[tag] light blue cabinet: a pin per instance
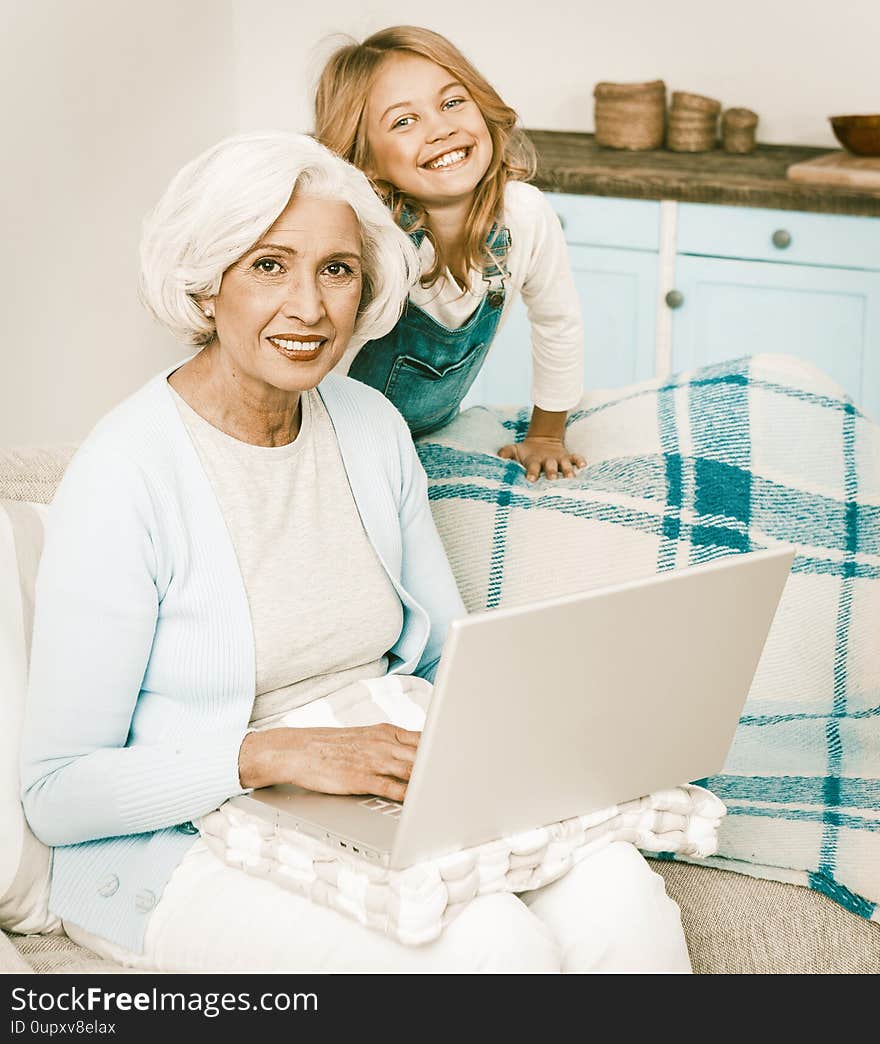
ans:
(614, 257)
(737, 280)
(618, 293)
(780, 236)
(755, 280)
(828, 316)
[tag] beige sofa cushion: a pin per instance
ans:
(57, 955)
(740, 925)
(33, 474)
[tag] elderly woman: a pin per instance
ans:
(245, 534)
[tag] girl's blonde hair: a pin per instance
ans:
(340, 103)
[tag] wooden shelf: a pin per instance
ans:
(569, 162)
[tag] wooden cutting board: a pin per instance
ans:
(839, 168)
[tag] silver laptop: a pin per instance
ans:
(552, 710)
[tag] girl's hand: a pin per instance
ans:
(538, 454)
(374, 759)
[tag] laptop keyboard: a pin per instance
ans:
(383, 806)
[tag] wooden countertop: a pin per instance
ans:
(569, 162)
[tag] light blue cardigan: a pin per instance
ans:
(142, 667)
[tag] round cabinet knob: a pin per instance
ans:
(781, 238)
(675, 298)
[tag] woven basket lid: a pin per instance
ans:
(699, 102)
(629, 90)
(739, 118)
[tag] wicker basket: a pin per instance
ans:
(695, 102)
(693, 123)
(630, 115)
(738, 130)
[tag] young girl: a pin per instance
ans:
(442, 149)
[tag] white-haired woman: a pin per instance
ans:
(245, 534)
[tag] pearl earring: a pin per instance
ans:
(209, 312)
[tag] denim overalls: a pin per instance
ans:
(425, 368)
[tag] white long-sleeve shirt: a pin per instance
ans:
(540, 270)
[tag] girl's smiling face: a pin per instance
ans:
(425, 133)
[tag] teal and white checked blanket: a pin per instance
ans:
(743, 455)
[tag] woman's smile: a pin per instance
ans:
(297, 347)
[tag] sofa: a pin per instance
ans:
(735, 922)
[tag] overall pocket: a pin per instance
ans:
(427, 397)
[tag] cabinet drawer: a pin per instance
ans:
(629, 224)
(828, 316)
(787, 236)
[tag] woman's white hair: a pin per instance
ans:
(219, 205)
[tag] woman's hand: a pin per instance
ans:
(537, 454)
(375, 759)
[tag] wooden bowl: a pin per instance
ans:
(858, 134)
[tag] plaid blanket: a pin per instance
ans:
(751, 453)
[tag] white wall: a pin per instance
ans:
(102, 102)
(105, 99)
(793, 64)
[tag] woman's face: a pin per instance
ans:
(425, 133)
(286, 310)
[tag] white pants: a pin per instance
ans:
(608, 914)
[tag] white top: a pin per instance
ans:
(299, 542)
(540, 270)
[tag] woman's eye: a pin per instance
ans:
(452, 103)
(268, 266)
(339, 270)
(404, 121)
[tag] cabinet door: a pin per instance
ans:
(828, 316)
(618, 295)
